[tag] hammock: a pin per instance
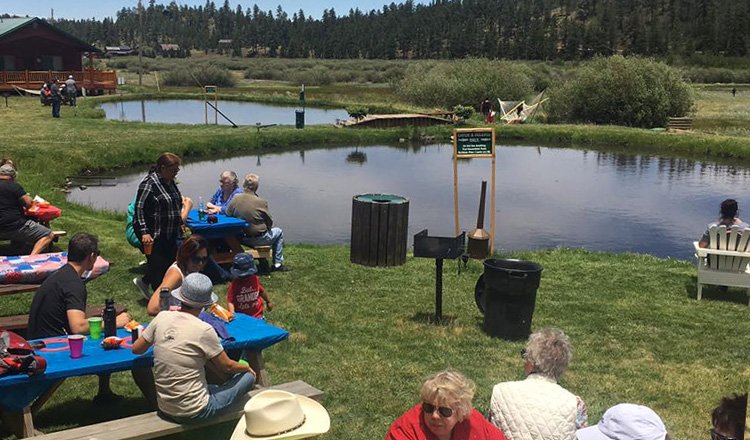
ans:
(517, 112)
(31, 92)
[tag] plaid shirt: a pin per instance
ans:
(157, 208)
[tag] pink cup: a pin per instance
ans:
(76, 346)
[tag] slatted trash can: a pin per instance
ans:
(506, 292)
(379, 227)
(299, 118)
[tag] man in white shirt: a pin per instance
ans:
(183, 345)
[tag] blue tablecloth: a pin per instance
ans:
(19, 391)
(225, 226)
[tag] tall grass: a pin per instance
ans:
(212, 75)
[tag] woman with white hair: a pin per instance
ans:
(445, 413)
(229, 186)
(537, 408)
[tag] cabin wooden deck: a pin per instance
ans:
(398, 120)
(94, 81)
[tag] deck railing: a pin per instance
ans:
(89, 79)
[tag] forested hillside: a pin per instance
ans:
(527, 29)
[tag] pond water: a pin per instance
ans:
(192, 111)
(546, 197)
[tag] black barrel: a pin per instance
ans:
(299, 118)
(506, 293)
(379, 227)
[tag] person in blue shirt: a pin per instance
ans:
(228, 188)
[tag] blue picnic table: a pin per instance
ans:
(18, 393)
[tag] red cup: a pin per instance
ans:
(76, 346)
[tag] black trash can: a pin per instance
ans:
(506, 293)
(299, 118)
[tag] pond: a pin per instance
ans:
(546, 197)
(192, 111)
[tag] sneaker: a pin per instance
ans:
(142, 287)
(281, 268)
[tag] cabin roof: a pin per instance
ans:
(11, 25)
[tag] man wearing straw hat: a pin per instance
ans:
(277, 415)
(183, 344)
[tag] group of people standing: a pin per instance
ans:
(54, 93)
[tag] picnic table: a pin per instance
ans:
(223, 236)
(21, 396)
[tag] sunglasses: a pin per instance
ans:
(444, 411)
(716, 436)
(524, 354)
(198, 260)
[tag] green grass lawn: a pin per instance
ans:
(364, 335)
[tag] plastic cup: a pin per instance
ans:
(148, 248)
(95, 328)
(76, 346)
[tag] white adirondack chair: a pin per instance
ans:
(725, 261)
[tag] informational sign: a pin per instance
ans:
(474, 142)
(210, 89)
(469, 143)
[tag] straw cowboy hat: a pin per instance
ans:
(276, 415)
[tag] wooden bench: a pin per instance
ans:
(21, 322)
(10, 289)
(150, 425)
(680, 124)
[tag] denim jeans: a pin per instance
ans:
(220, 398)
(273, 238)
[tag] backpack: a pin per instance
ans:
(130, 234)
(17, 356)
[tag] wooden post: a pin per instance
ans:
(492, 203)
(455, 184)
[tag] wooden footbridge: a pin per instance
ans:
(400, 120)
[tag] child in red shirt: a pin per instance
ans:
(246, 294)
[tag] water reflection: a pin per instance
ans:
(546, 197)
(192, 111)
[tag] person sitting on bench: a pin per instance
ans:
(252, 208)
(183, 347)
(228, 188)
(14, 225)
(59, 305)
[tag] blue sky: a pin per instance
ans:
(104, 8)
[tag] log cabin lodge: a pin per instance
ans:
(33, 52)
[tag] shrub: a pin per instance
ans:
(357, 111)
(211, 75)
(634, 91)
(464, 82)
(463, 112)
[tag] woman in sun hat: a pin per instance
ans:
(626, 421)
(276, 415)
(445, 413)
(183, 345)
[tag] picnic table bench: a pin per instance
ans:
(150, 425)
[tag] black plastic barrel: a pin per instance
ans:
(506, 293)
(299, 118)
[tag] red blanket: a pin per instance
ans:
(410, 426)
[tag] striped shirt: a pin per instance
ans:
(157, 208)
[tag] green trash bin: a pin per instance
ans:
(299, 118)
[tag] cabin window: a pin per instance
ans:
(7, 62)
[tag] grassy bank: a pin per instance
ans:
(363, 335)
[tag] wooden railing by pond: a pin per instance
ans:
(94, 81)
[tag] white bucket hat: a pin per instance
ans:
(276, 415)
(196, 291)
(626, 421)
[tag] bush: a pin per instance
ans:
(463, 112)
(464, 82)
(357, 112)
(634, 91)
(211, 75)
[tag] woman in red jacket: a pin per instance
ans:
(445, 413)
